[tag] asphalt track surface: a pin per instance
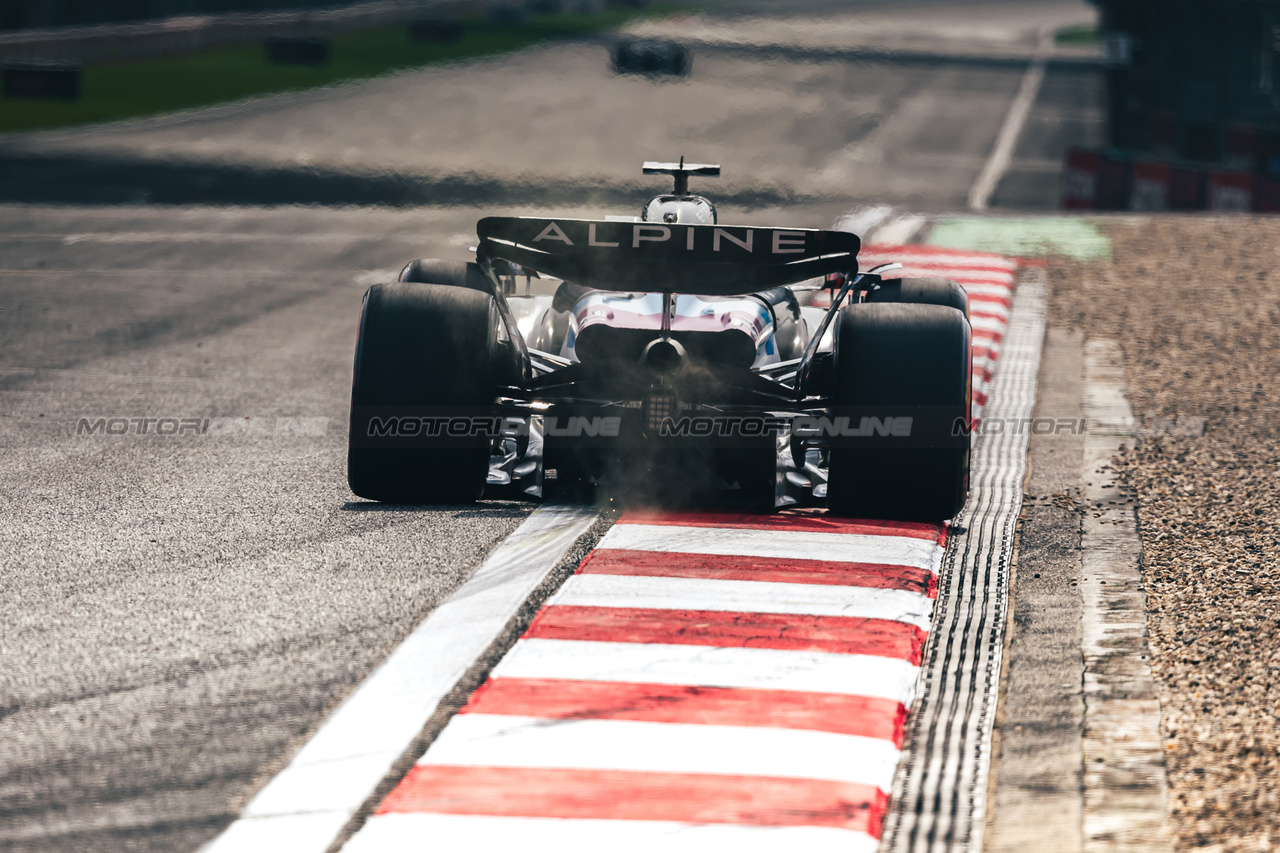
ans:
(184, 610)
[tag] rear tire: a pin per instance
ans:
(424, 350)
(922, 291)
(903, 355)
(452, 273)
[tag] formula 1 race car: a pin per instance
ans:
(665, 353)
(652, 57)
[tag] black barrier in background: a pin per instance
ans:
(436, 30)
(42, 81)
(298, 51)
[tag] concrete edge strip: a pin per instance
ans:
(310, 801)
(1124, 770)
(939, 795)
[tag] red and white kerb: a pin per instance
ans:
(703, 680)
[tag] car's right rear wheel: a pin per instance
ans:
(894, 358)
(922, 291)
(425, 381)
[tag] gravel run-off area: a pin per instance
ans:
(1195, 304)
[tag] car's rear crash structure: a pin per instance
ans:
(676, 353)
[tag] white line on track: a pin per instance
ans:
(490, 740)
(592, 590)
(783, 544)
(708, 666)
(900, 229)
(408, 833)
(1000, 291)
(1002, 154)
(956, 261)
(993, 325)
(306, 805)
(984, 338)
(990, 308)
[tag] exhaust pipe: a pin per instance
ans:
(663, 355)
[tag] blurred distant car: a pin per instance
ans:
(651, 56)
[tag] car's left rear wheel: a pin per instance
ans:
(422, 395)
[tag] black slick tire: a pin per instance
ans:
(902, 355)
(922, 291)
(423, 351)
(452, 273)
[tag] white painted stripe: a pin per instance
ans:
(997, 290)
(863, 221)
(1002, 153)
(987, 324)
(964, 277)
(991, 308)
(958, 259)
(997, 277)
(811, 599)
(492, 740)
(898, 230)
(1001, 284)
(336, 771)
(783, 544)
(990, 274)
(412, 833)
(709, 666)
(988, 338)
(310, 830)
(988, 293)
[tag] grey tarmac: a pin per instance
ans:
(184, 611)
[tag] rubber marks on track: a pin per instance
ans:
(988, 280)
(702, 681)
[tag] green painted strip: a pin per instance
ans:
(1071, 236)
(121, 90)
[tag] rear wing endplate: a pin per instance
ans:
(713, 260)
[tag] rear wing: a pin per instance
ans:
(712, 260)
